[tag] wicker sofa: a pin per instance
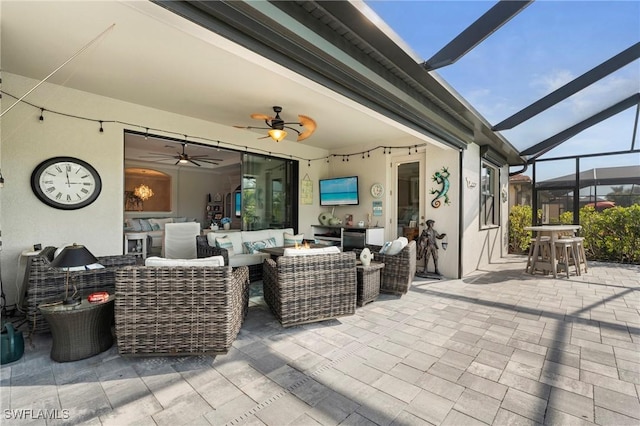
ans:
(399, 269)
(179, 310)
(304, 289)
(45, 284)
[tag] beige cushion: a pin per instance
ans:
(225, 243)
(207, 261)
(310, 251)
(247, 259)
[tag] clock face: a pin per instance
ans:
(66, 183)
(377, 190)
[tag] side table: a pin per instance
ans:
(79, 331)
(140, 239)
(368, 282)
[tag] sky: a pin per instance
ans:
(546, 45)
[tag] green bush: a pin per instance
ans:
(611, 235)
(519, 239)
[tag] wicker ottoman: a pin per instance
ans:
(368, 282)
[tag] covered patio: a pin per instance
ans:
(496, 347)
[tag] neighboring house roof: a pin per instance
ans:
(598, 176)
(519, 179)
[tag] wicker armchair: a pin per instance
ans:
(205, 250)
(45, 284)
(303, 289)
(179, 310)
(399, 269)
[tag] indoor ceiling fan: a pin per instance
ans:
(277, 125)
(183, 157)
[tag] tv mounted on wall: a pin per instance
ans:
(342, 191)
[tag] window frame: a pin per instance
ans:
(493, 193)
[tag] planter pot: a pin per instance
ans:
(227, 226)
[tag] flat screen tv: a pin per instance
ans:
(342, 191)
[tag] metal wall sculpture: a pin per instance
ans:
(442, 178)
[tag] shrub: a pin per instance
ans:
(519, 239)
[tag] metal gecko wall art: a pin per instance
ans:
(441, 177)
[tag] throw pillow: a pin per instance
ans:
(225, 243)
(145, 225)
(291, 240)
(396, 246)
(385, 247)
(253, 247)
(158, 224)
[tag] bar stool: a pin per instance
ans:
(578, 246)
(543, 252)
(566, 254)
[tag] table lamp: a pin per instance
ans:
(72, 256)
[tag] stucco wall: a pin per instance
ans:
(481, 246)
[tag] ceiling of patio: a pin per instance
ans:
(154, 58)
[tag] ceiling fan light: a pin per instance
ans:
(182, 161)
(277, 134)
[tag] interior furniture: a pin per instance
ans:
(154, 228)
(79, 331)
(179, 240)
(411, 232)
(399, 269)
(237, 252)
(348, 237)
(24, 263)
(45, 284)
(179, 310)
(368, 279)
(308, 288)
(553, 232)
(135, 243)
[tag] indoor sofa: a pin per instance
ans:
(243, 246)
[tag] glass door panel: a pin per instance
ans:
(409, 196)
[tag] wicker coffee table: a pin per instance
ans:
(368, 282)
(79, 331)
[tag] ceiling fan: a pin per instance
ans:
(276, 125)
(183, 157)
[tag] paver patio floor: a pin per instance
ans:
(497, 347)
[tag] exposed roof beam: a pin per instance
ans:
(555, 140)
(607, 67)
(475, 33)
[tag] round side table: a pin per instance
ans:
(79, 331)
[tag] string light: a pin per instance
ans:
(345, 157)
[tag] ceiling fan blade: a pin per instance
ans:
(261, 117)
(251, 127)
(176, 163)
(208, 161)
(204, 157)
(310, 126)
(193, 162)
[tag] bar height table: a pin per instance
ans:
(553, 231)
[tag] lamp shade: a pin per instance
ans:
(75, 255)
(277, 134)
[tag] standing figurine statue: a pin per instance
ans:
(428, 247)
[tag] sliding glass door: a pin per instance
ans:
(269, 192)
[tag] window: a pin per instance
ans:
(489, 215)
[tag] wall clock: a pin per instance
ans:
(377, 190)
(66, 183)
